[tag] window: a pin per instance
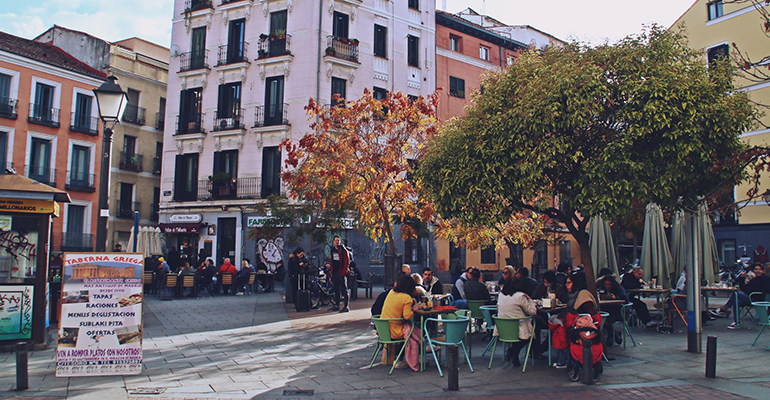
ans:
(565, 252)
(456, 87)
(186, 178)
(40, 161)
(541, 256)
(156, 162)
(133, 112)
(415, 4)
(412, 250)
(225, 169)
(74, 237)
(235, 41)
(718, 53)
(340, 25)
(339, 87)
(126, 206)
(509, 60)
(484, 53)
(129, 145)
(274, 101)
(229, 105)
(190, 111)
(80, 167)
(277, 45)
(715, 10)
(379, 93)
(81, 118)
(43, 111)
(7, 104)
(454, 43)
(4, 164)
(727, 251)
(155, 209)
(278, 21)
(198, 48)
(271, 171)
(129, 160)
(413, 51)
(161, 117)
(488, 255)
(380, 41)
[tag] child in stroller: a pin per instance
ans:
(584, 326)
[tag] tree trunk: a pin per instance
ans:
(388, 227)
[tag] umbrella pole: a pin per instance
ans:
(694, 342)
(136, 229)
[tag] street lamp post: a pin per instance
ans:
(112, 101)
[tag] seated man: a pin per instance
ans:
(458, 290)
(474, 289)
(749, 282)
(633, 280)
(431, 284)
(551, 285)
(530, 284)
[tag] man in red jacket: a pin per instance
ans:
(340, 260)
(226, 268)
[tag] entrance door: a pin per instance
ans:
(226, 239)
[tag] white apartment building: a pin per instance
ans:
(240, 74)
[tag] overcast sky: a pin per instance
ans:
(592, 21)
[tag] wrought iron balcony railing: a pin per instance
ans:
(343, 48)
(273, 46)
(8, 108)
(43, 115)
(156, 164)
(84, 124)
(241, 188)
(233, 54)
(131, 161)
(42, 174)
(134, 114)
(233, 121)
(198, 59)
(195, 5)
(80, 181)
(126, 209)
(271, 115)
(190, 124)
(160, 121)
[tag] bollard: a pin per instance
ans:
(711, 357)
(22, 375)
(586, 374)
(453, 368)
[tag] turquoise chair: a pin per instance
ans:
(760, 307)
(454, 334)
(604, 315)
(382, 325)
(508, 332)
(487, 311)
(626, 312)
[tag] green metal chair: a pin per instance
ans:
(508, 332)
(760, 307)
(626, 311)
(488, 311)
(382, 325)
(454, 330)
(604, 315)
(475, 307)
(747, 310)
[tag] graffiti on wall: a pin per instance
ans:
(17, 245)
(270, 252)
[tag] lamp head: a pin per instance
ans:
(112, 101)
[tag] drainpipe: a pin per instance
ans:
(318, 62)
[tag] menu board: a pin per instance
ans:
(100, 328)
(16, 312)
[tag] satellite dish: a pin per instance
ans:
(174, 50)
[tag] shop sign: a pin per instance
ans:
(16, 312)
(29, 206)
(180, 228)
(100, 329)
(185, 218)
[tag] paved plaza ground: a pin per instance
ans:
(256, 346)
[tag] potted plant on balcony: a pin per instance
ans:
(263, 37)
(354, 42)
(261, 53)
(221, 183)
(280, 34)
(330, 51)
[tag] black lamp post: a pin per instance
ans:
(112, 101)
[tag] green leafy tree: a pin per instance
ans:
(596, 129)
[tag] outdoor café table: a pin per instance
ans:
(731, 290)
(424, 314)
(659, 292)
(545, 313)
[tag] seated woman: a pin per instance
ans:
(419, 291)
(514, 303)
(581, 301)
(242, 278)
(551, 285)
(399, 304)
(610, 289)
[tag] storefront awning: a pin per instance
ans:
(180, 228)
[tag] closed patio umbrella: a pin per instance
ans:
(130, 247)
(602, 247)
(709, 256)
(678, 245)
(656, 258)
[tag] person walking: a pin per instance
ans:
(340, 270)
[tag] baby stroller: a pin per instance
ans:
(584, 326)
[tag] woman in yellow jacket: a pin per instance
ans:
(399, 304)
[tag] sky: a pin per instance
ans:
(591, 21)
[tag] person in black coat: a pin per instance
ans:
(749, 282)
(633, 280)
(530, 285)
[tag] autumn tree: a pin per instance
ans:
(596, 129)
(359, 155)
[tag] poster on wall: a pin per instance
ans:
(16, 312)
(100, 329)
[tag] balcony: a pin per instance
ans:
(155, 213)
(130, 161)
(126, 209)
(229, 1)
(195, 5)
(84, 124)
(343, 48)
(42, 174)
(271, 115)
(134, 114)
(235, 121)
(160, 121)
(8, 108)
(77, 241)
(156, 164)
(186, 191)
(43, 115)
(242, 188)
(193, 60)
(273, 46)
(80, 181)
(190, 124)
(232, 54)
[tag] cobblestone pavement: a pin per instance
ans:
(237, 347)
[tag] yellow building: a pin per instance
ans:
(713, 27)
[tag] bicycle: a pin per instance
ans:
(321, 291)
